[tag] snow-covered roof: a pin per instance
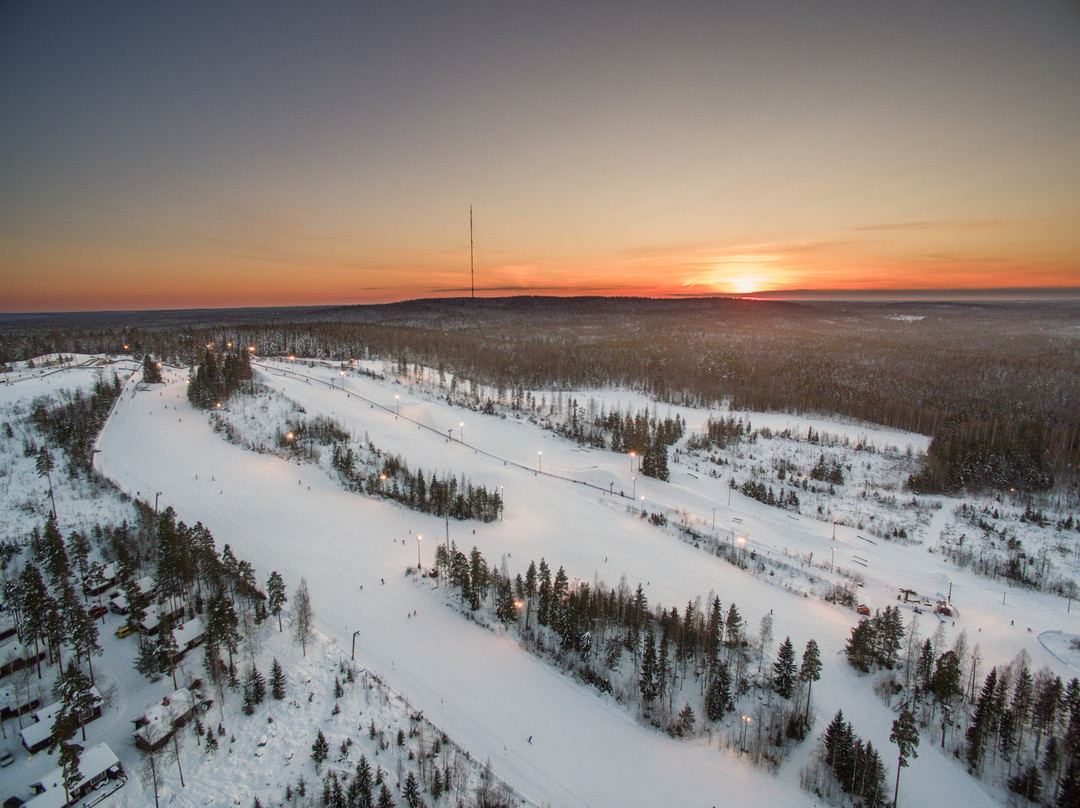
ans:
(11, 651)
(158, 721)
(44, 718)
(12, 697)
(92, 762)
(189, 632)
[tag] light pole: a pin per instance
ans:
(714, 520)
(643, 505)
(834, 530)
(729, 495)
(632, 456)
(354, 644)
(502, 505)
(540, 462)
(461, 428)
(158, 494)
(634, 481)
(418, 540)
(742, 549)
(397, 405)
(832, 560)
(950, 591)
(746, 723)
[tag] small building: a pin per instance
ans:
(98, 765)
(145, 588)
(15, 657)
(39, 734)
(19, 700)
(7, 626)
(944, 608)
(102, 582)
(189, 635)
(151, 622)
(154, 729)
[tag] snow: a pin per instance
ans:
(569, 505)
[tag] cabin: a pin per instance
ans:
(19, 700)
(145, 587)
(156, 727)
(151, 622)
(189, 635)
(38, 735)
(14, 657)
(7, 626)
(101, 582)
(98, 766)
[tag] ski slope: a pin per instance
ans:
(476, 684)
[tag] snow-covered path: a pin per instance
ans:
(474, 683)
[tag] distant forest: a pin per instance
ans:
(989, 381)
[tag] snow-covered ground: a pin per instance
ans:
(478, 686)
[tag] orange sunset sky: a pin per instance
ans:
(249, 154)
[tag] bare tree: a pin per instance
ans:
(302, 615)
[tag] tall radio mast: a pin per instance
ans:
(472, 274)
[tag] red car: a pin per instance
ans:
(96, 611)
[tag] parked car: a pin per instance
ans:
(96, 611)
(124, 630)
(6, 759)
(14, 802)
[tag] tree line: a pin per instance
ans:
(1021, 728)
(672, 666)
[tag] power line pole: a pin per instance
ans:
(472, 273)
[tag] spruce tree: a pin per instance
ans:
(411, 792)
(151, 371)
(277, 680)
(386, 799)
(320, 750)
(784, 670)
(647, 682)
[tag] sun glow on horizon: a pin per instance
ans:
(743, 274)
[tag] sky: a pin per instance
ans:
(203, 155)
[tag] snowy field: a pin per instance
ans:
(575, 508)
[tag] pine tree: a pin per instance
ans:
(905, 734)
(76, 697)
(277, 680)
(784, 670)
(275, 594)
(320, 750)
(810, 671)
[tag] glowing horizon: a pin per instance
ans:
(264, 157)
